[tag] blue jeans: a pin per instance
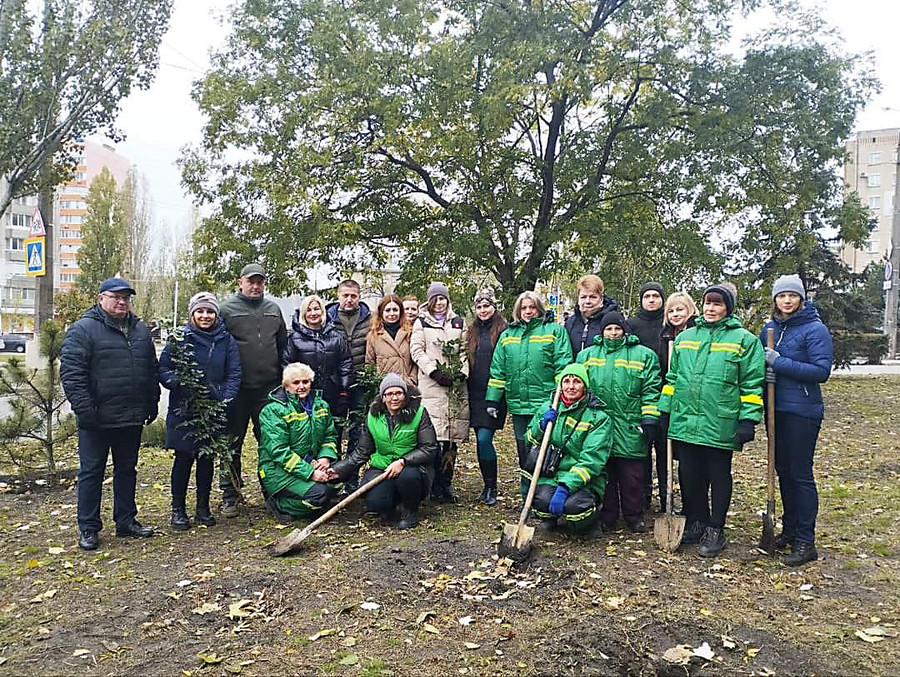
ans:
(94, 447)
(795, 446)
(484, 444)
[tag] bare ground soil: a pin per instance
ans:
(365, 599)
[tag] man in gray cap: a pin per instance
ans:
(109, 373)
(258, 327)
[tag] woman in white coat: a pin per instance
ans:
(438, 349)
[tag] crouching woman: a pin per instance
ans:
(398, 440)
(573, 491)
(296, 447)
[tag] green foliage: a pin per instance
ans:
(63, 75)
(36, 398)
(849, 345)
(103, 235)
(517, 140)
(154, 433)
(70, 305)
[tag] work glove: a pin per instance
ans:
(492, 410)
(746, 431)
(441, 378)
(558, 502)
(771, 356)
(548, 417)
(770, 375)
(649, 429)
(664, 425)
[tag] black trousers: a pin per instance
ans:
(795, 446)
(408, 489)
(579, 511)
(657, 446)
(94, 447)
(705, 471)
(181, 475)
(624, 487)
(246, 407)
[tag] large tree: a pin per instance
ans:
(104, 234)
(517, 138)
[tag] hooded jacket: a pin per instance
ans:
(356, 339)
(715, 379)
(291, 438)
(258, 328)
(447, 407)
(624, 375)
(217, 356)
(109, 371)
(326, 352)
(806, 356)
(583, 432)
(581, 333)
(422, 454)
(526, 361)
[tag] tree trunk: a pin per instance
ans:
(50, 406)
(43, 305)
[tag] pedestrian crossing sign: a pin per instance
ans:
(35, 257)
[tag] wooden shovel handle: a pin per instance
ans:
(670, 483)
(540, 462)
(770, 424)
(334, 510)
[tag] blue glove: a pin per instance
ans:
(548, 417)
(558, 502)
(771, 356)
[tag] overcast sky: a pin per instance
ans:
(160, 121)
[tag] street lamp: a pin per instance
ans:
(892, 270)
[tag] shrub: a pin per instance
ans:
(849, 345)
(154, 435)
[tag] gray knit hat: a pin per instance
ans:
(203, 299)
(485, 294)
(789, 283)
(391, 381)
(437, 289)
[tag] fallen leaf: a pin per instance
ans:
(680, 655)
(430, 628)
(866, 637)
(348, 641)
(174, 595)
(349, 659)
(205, 608)
(322, 633)
(422, 617)
(210, 658)
(56, 551)
(472, 645)
(705, 612)
(752, 651)
(880, 631)
(466, 620)
(614, 602)
(233, 669)
(727, 642)
(370, 606)
(239, 609)
(705, 652)
(806, 586)
(80, 652)
(640, 553)
(183, 584)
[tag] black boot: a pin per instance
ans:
(802, 553)
(489, 476)
(693, 532)
(712, 542)
(180, 520)
(547, 525)
(408, 518)
(638, 526)
(783, 541)
(204, 514)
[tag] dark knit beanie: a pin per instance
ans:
(614, 317)
(656, 286)
(726, 295)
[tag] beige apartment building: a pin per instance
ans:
(17, 291)
(871, 172)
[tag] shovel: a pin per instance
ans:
(291, 542)
(516, 541)
(767, 541)
(669, 528)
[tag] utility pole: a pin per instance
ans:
(43, 303)
(892, 280)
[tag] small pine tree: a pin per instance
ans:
(36, 400)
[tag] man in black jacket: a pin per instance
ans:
(257, 325)
(110, 377)
(647, 326)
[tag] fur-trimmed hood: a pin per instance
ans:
(413, 402)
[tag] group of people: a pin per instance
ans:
(613, 389)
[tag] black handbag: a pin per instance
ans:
(552, 459)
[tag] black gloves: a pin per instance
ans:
(649, 429)
(441, 378)
(664, 425)
(746, 431)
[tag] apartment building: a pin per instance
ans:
(17, 293)
(871, 171)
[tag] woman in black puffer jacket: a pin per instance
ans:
(314, 342)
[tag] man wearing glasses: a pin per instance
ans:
(109, 374)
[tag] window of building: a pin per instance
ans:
(872, 247)
(68, 263)
(71, 218)
(21, 221)
(70, 234)
(874, 158)
(875, 202)
(80, 176)
(15, 244)
(68, 277)
(873, 180)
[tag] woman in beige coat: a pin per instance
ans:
(387, 344)
(442, 380)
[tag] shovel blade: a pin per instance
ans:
(516, 542)
(290, 543)
(668, 530)
(767, 540)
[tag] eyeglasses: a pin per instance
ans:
(395, 396)
(125, 298)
